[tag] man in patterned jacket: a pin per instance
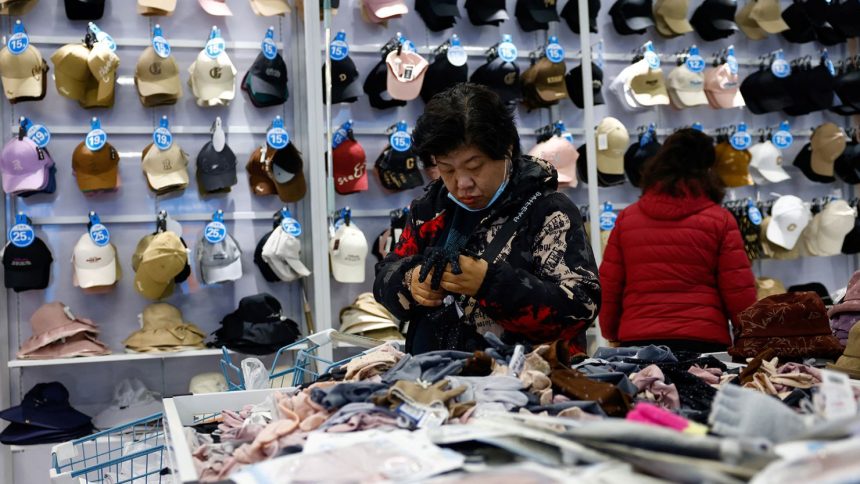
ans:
(537, 283)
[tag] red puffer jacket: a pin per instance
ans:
(674, 268)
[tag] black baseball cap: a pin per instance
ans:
(817, 288)
(398, 170)
(845, 17)
(438, 15)
(85, 9)
(851, 244)
(847, 87)
(376, 88)
(763, 92)
(267, 272)
(819, 13)
(632, 17)
(603, 180)
(570, 13)
(573, 81)
(216, 170)
(800, 30)
(500, 76)
(442, 75)
(345, 86)
(847, 166)
(635, 158)
(486, 12)
(266, 81)
(803, 161)
(27, 268)
(535, 14)
(811, 89)
(715, 19)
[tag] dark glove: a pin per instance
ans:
(436, 259)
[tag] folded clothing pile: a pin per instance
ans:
(58, 333)
(368, 318)
(44, 416)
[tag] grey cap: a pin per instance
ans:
(219, 262)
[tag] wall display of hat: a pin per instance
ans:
(158, 260)
(86, 72)
(216, 163)
(501, 76)
(381, 11)
(257, 327)
(345, 81)
(536, 14)
(85, 9)
(157, 78)
(212, 76)
(155, 8)
(826, 232)
(44, 416)
(561, 153)
(27, 268)
(266, 81)
(486, 12)
(58, 333)
(348, 250)
(95, 266)
(163, 329)
(766, 163)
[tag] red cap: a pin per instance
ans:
(349, 167)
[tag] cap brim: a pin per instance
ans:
(227, 273)
(105, 181)
(392, 10)
(298, 267)
(639, 23)
(102, 276)
(219, 9)
(293, 190)
(349, 274)
(773, 175)
(170, 86)
(26, 87)
(691, 98)
(211, 182)
(678, 26)
(350, 91)
(25, 183)
(172, 179)
(773, 26)
(787, 240)
(270, 8)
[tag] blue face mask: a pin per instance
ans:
(496, 195)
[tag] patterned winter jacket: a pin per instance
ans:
(543, 287)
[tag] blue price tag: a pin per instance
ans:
(215, 232)
(780, 68)
(270, 49)
(782, 139)
(162, 138)
(99, 235)
(278, 138)
(698, 127)
(341, 134)
(18, 43)
(652, 59)
(339, 49)
(696, 64)
(291, 226)
(456, 53)
(753, 213)
(732, 61)
(607, 217)
(400, 141)
(407, 44)
(507, 50)
(39, 134)
(554, 51)
(741, 140)
(215, 45)
(22, 235)
(96, 139)
(161, 47)
(102, 36)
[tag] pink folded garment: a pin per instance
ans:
(81, 344)
(53, 322)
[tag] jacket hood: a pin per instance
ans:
(661, 206)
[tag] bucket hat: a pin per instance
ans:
(164, 329)
(54, 322)
(849, 362)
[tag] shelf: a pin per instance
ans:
(113, 357)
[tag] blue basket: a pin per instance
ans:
(131, 453)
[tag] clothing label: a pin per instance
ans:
(339, 49)
(456, 54)
(18, 43)
(99, 235)
(96, 139)
(554, 51)
(838, 396)
(400, 141)
(518, 360)
(162, 138)
(215, 232)
(291, 226)
(39, 134)
(507, 50)
(22, 235)
(602, 142)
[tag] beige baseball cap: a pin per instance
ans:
(213, 80)
(103, 64)
(405, 74)
(649, 89)
(22, 74)
(156, 7)
(827, 143)
(268, 8)
(612, 141)
(166, 170)
(829, 227)
(94, 265)
(748, 25)
(768, 16)
(71, 70)
(686, 88)
(674, 14)
(162, 259)
(157, 76)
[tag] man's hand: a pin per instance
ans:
(421, 291)
(469, 280)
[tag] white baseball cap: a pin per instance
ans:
(165, 169)
(219, 262)
(348, 253)
(789, 216)
(829, 227)
(212, 81)
(686, 88)
(94, 265)
(766, 163)
(621, 84)
(282, 252)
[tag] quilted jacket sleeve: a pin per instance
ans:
(560, 295)
(735, 278)
(389, 287)
(612, 277)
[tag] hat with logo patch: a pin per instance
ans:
(603, 179)
(349, 167)
(847, 166)
(162, 259)
(789, 216)
(767, 15)
(766, 163)
(570, 13)
(502, 77)
(442, 75)
(156, 7)
(376, 88)
(686, 88)
(535, 14)
(212, 81)
(103, 64)
(632, 17)
(216, 170)
(406, 72)
(828, 228)
(763, 92)
(84, 9)
(157, 79)
(23, 165)
(348, 252)
(573, 82)
(649, 88)
(345, 84)
(166, 170)
(94, 265)
(71, 70)
(437, 15)
(715, 19)
(219, 262)
(23, 75)
(285, 167)
(486, 12)
(96, 170)
(545, 79)
(27, 268)
(266, 81)
(282, 253)
(398, 170)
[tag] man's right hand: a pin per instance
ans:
(421, 291)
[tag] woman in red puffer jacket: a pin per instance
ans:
(675, 270)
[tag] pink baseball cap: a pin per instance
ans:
(722, 88)
(24, 166)
(386, 8)
(561, 154)
(405, 74)
(216, 7)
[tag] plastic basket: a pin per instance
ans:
(308, 364)
(135, 452)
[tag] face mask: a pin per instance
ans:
(496, 195)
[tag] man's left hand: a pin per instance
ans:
(468, 283)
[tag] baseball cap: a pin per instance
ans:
(820, 12)
(267, 272)
(157, 79)
(385, 9)
(603, 179)
(845, 17)
(502, 77)
(486, 12)
(376, 88)
(851, 244)
(803, 161)
(349, 167)
(673, 13)
(156, 7)
(216, 7)
(546, 79)
(23, 165)
(27, 268)
(748, 25)
(162, 259)
(84, 9)
(570, 13)
(535, 14)
(348, 252)
(686, 88)
(166, 170)
(811, 89)
(285, 167)
(94, 265)
(560, 153)
(216, 170)
(398, 170)
(636, 156)
(442, 75)
(763, 92)
(732, 165)
(847, 166)
(829, 227)
(573, 82)
(406, 72)
(827, 144)
(266, 81)
(715, 19)
(789, 216)
(766, 163)
(95, 170)
(345, 84)
(71, 70)
(722, 88)
(649, 88)
(219, 262)
(282, 253)
(437, 15)
(612, 141)
(103, 63)
(17, 7)
(212, 81)
(269, 8)
(632, 17)
(258, 177)
(23, 75)
(767, 15)
(622, 84)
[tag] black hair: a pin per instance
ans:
(466, 114)
(684, 166)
